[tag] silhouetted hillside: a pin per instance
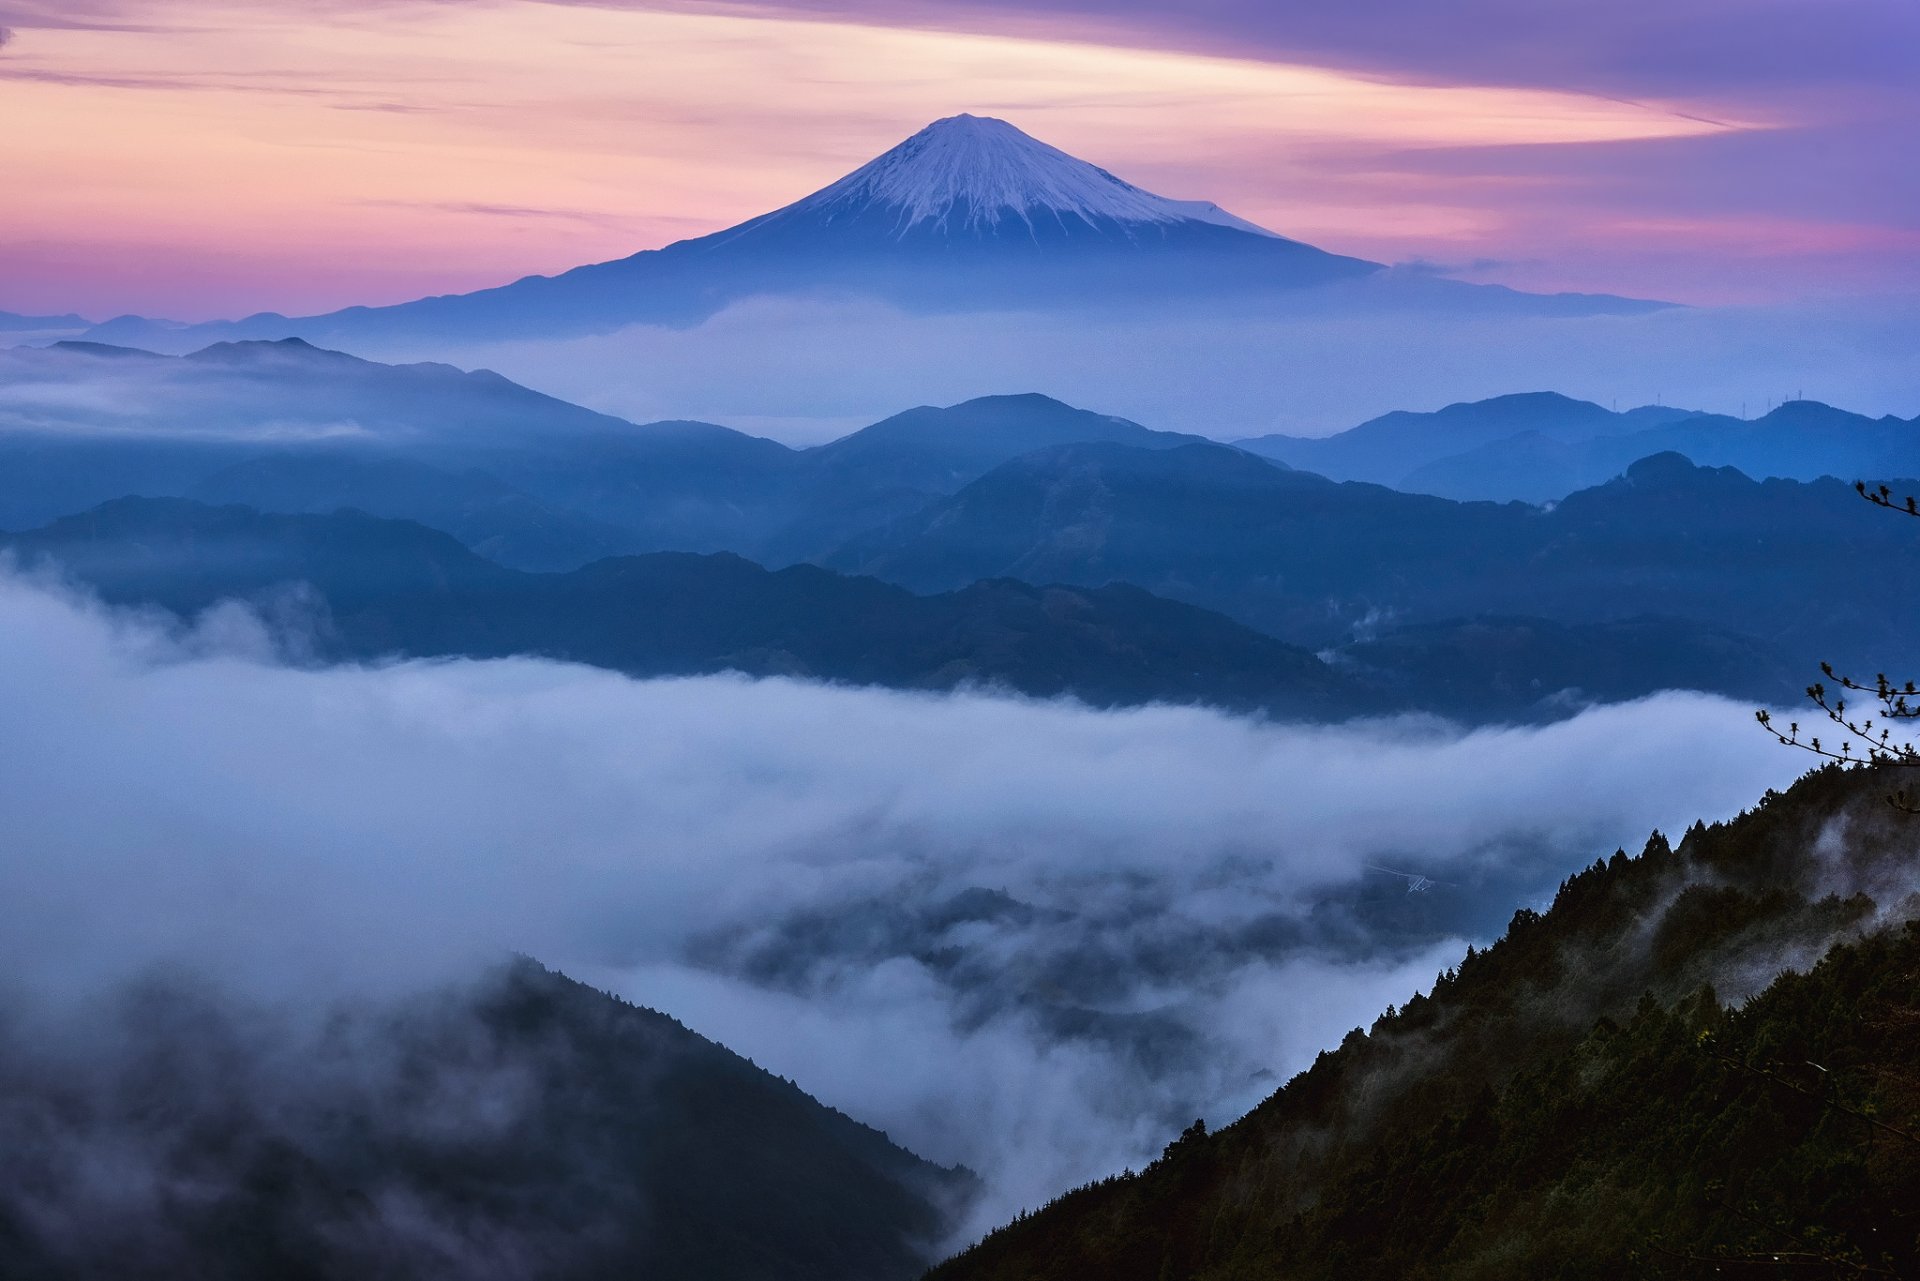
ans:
(696, 487)
(1595, 1096)
(377, 588)
(1312, 561)
(494, 519)
(1540, 446)
(534, 482)
(521, 1125)
(356, 587)
(1499, 666)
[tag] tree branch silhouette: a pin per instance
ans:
(1869, 736)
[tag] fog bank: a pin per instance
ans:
(1028, 936)
(806, 371)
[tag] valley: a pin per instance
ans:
(855, 642)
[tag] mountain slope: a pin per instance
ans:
(696, 487)
(489, 516)
(520, 1125)
(1289, 552)
(1385, 449)
(360, 588)
(1540, 447)
(970, 213)
(1531, 668)
(384, 588)
(977, 178)
(269, 396)
(895, 467)
(17, 328)
(1315, 562)
(534, 482)
(1576, 1101)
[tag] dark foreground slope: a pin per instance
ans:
(522, 1126)
(1592, 1097)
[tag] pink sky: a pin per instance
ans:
(202, 158)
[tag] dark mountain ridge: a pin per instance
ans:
(1539, 447)
(519, 1125)
(937, 499)
(1317, 562)
(533, 481)
(1577, 1101)
(359, 588)
(392, 588)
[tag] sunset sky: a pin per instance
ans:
(200, 158)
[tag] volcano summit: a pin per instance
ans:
(970, 213)
(981, 180)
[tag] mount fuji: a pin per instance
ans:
(974, 190)
(970, 213)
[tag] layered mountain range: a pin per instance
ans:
(1698, 1060)
(15, 325)
(1011, 521)
(1542, 446)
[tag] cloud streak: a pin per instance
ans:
(1028, 936)
(358, 125)
(1635, 47)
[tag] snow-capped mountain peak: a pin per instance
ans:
(970, 173)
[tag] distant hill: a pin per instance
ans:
(1540, 447)
(397, 588)
(1020, 487)
(81, 423)
(557, 500)
(1311, 560)
(1531, 668)
(486, 514)
(1600, 1094)
(1383, 450)
(532, 481)
(369, 588)
(13, 325)
(517, 1125)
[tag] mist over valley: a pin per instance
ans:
(620, 659)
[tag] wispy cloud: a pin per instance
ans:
(88, 80)
(640, 110)
(1634, 48)
(484, 209)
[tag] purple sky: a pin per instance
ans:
(203, 157)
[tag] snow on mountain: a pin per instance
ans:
(968, 214)
(970, 173)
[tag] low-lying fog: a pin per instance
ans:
(1030, 937)
(807, 371)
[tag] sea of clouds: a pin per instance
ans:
(1027, 936)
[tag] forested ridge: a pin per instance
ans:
(517, 1125)
(1600, 1094)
